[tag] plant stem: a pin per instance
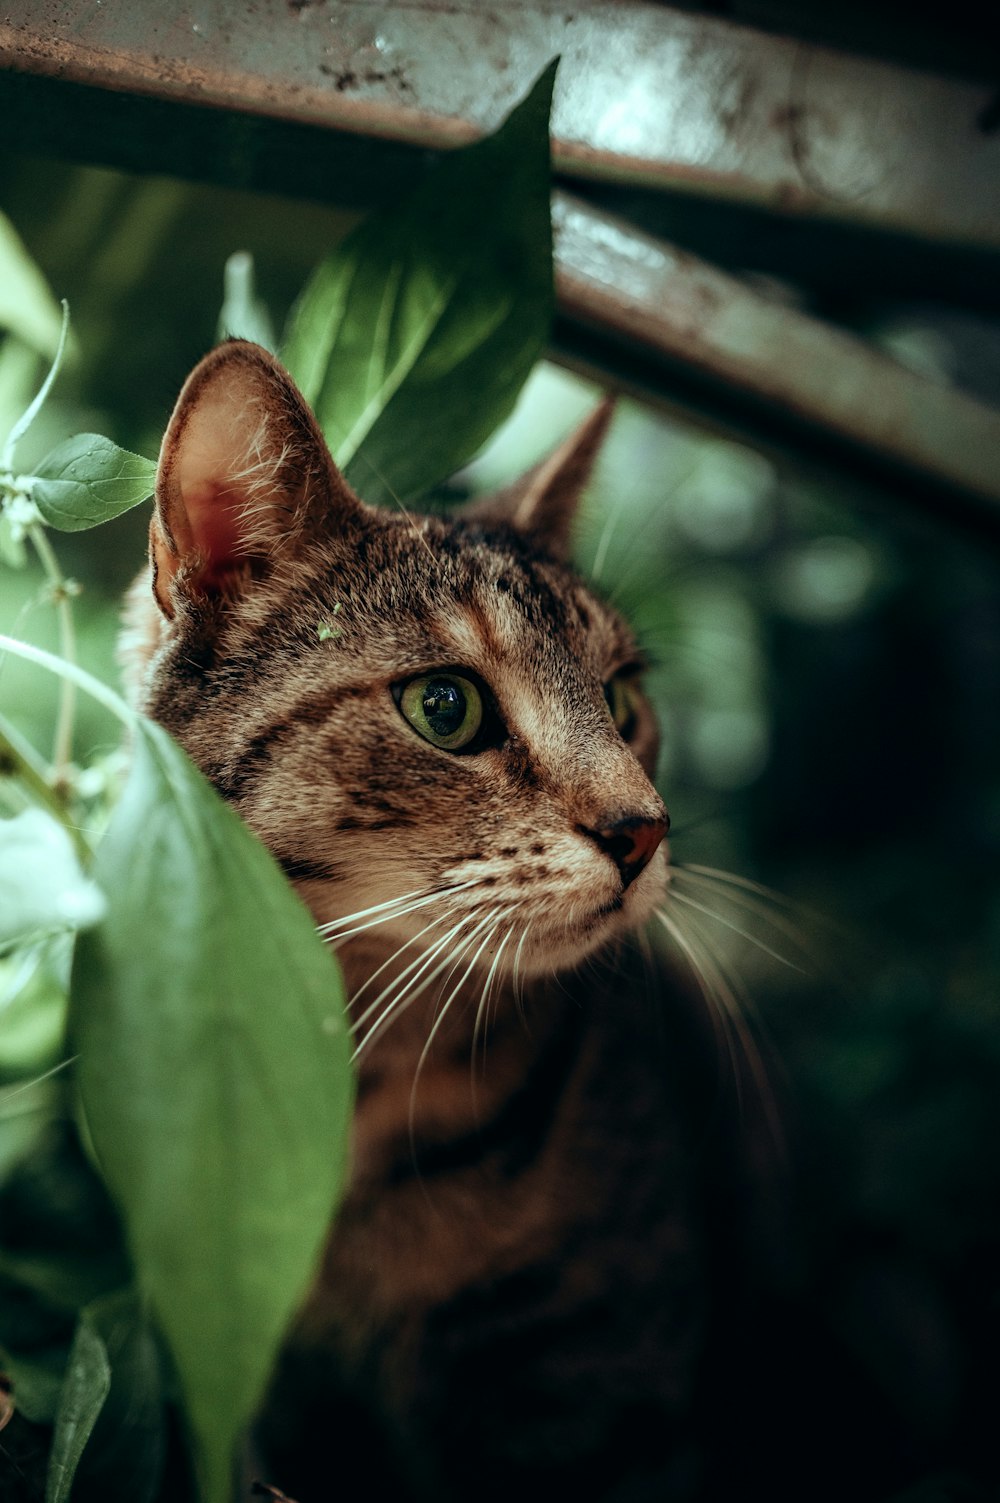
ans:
(63, 743)
(19, 759)
(88, 683)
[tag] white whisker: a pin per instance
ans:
(701, 969)
(413, 972)
(414, 939)
(681, 897)
(395, 908)
(518, 981)
(730, 1006)
(482, 1007)
(10, 1092)
(494, 923)
(732, 879)
(412, 990)
(350, 918)
(761, 905)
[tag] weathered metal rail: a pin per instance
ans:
(671, 102)
(645, 94)
(692, 315)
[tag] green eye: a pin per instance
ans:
(444, 708)
(623, 702)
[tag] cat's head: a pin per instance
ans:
(432, 719)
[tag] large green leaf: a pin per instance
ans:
(88, 480)
(215, 1080)
(413, 339)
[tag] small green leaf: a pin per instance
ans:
(42, 887)
(88, 480)
(215, 1079)
(85, 1387)
(413, 339)
(60, 1249)
(27, 417)
(244, 315)
(27, 307)
(125, 1451)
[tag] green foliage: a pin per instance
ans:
(174, 1113)
(219, 1108)
(87, 481)
(413, 339)
(61, 1251)
(42, 887)
(85, 1387)
(243, 314)
(27, 308)
(110, 1431)
(32, 323)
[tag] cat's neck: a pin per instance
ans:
(446, 1059)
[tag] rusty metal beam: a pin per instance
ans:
(389, 78)
(647, 95)
(691, 317)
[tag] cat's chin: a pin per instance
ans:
(555, 945)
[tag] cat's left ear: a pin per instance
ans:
(244, 473)
(544, 502)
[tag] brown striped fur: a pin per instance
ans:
(514, 1296)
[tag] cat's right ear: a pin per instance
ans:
(544, 502)
(244, 474)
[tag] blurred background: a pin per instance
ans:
(826, 650)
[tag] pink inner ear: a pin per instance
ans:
(214, 515)
(241, 468)
(223, 461)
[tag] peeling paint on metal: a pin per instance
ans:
(645, 94)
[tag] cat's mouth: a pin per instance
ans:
(463, 923)
(566, 938)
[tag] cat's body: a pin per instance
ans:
(519, 1288)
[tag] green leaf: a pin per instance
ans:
(33, 982)
(60, 1249)
(34, 407)
(27, 307)
(125, 1450)
(215, 1080)
(85, 1387)
(42, 886)
(244, 315)
(88, 480)
(413, 339)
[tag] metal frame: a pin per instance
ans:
(665, 102)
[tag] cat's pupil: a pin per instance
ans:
(444, 706)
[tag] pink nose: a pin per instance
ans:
(631, 843)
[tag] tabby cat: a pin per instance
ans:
(440, 733)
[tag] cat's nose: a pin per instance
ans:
(631, 842)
